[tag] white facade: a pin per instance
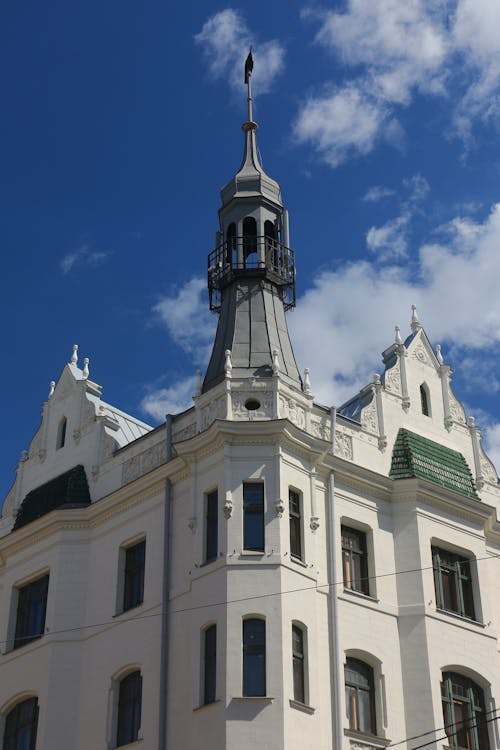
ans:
(256, 427)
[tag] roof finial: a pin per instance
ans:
(439, 355)
(397, 337)
(51, 388)
(248, 81)
(415, 323)
(74, 356)
(86, 367)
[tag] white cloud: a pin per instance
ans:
(170, 400)
(187, 318)
(82, 256)
(377, 193)
(225, 40)
(398, 50)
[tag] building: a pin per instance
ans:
(260, 570)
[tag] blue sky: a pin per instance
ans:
(120, 123)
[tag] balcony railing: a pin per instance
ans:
(251, 257)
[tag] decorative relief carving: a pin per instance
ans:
(212, 411)
(363, 746)
(279, 507)
(320, 427)
(185, 433)
(421, 355)
(314, 523)
(456, 410)
(228, 506)
(240, 411)
(488, 470)
(343, 445)
(369, 417)
(392, 379)
(293, 411)
(144, 462)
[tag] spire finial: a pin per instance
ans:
(248, 81)
(51, 388)
(439, 355)
(415, 323)
(74, 356)
(86, 367)
(397, 336)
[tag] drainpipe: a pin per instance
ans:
(338, 682)
(162, 733)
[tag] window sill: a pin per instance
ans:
(126, 611)
(135, 743)
(298, 561)
(459, 617)
(253, 698)
(365, 738)
(206, 705)
(360, 595)
(252, 553)
(301, 706)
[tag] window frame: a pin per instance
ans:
(209, 670)
(251, 654)
(299, 665)
(352, 580)
(354, 690)
(296, 525)
(13, 714)
(130, 570)
(469, 695)
(459, 584)
(425, 400)
(25, 611)
(249, 512)
(128, 707)
(211, 536)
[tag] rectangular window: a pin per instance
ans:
(299, 687)
(253, 516)
(211, 525)
(354, 560)
(133, 587)
(453, 582)
(31, 609)
(254, 657)
(464, 712)
(210, 664)
(360, 696)
(129, 709)
(294, 509)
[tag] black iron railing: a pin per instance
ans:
(251, 256)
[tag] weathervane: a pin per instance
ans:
(248, 81)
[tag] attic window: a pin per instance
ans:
(425, 400)
(61, 433)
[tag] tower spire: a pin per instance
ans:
(248, 81)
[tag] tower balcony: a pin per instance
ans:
(251, 257)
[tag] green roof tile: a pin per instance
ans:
(416, 456)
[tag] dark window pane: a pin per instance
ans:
(211, 526)
(254, 657)
(354, 560)
(295, 524)
(31, 610)
(210, 664)
(253, 516)
(298, 664)
(463, 711)
(360, 696)
(21, 726)
(133, 591)
(453, 582)
(129, 709)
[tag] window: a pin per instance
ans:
(453, 583)
(61, 433)
(129, 709)
(211, 525)
(360, 696)
(133, 589)
(20, 726)
(31, 609)
(250, 242)
(253, 516)
(425, 400)
(254, 657)
(210, 664)
(464, 714)
(294, 506)
(299, 685)
(354, 560)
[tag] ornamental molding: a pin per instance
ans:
(185, 433)
(456, 409)
(392, 379)
(294, 411)
(369, 418)
(240, 411)
(320, 427)
(488, 470)
(144, 462)
(343, 445)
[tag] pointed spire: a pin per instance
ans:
(397, 337)
(248, 81)
(415, 323)
(74, 356)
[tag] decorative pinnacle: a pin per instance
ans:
(398, 338)
(248, 81)
(415, 323)
(307, 382)
(276, 363)
(228, 366)
(74, 356)
(439, 356)
(86, 367)
(376, 378)
(198, 382)
(51, 388)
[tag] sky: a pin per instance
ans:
(122, 120)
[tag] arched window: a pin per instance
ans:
(271, 235)
(298, 658)
(425, 400)
(254, 657)
(209, 664)
(20, 726)
(360, 696)
(129, 709)
(464, 712)
(61, 433)
(231, 242)
(250, 242)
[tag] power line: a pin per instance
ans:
(438, 729)
(239, 600)
(445, 737)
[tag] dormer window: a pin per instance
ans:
(61, 433)
(425, 400)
